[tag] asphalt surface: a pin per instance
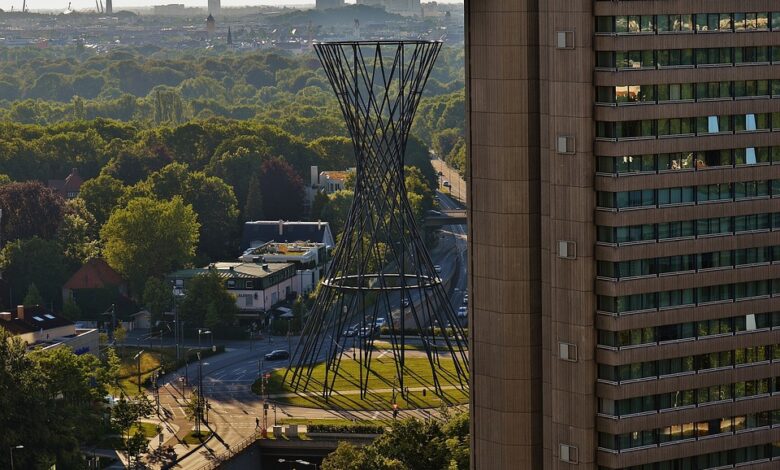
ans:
(227, 378)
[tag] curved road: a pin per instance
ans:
(227, 377)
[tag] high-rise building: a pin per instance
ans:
(624, 178)
(215, 7)
(109, 7)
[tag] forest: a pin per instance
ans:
(177, 150)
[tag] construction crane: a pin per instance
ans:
(24, 6)
(99, 6)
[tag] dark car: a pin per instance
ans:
(366, 332)
(351, 331)
(277, 355)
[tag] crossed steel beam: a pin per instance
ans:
(381, 267)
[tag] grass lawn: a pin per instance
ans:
(148, 429)
(418, 376)
(128, 370)
(194, 438)
(381, 345)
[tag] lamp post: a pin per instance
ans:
(12, 454)
(204, 331)
(138, 362)
(289, 341)
(176, 295)
(199, 408)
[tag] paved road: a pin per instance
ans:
(459, 282)
(457, 187)
(227, 377)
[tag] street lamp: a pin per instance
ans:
(289, 340)
(204, 331)
(138, 361)
(12, 454)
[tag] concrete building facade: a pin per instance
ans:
(624, 177)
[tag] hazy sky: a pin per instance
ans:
(82, 4)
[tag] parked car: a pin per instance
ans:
(437, 268)
(380, 322)
(465, 299)
(463, 312)
(446, 184)
(405, 303)
(277, 355)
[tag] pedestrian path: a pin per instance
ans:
(355, 392)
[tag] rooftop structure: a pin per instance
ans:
(69, 187)
(311, 261)
(38, 327)
(263, 231)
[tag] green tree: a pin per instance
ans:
(150, 238)
(206, 298)
(100, 196)
(282, 190)
(120, 335)
(237, 165)
(212, 200)
(135, 446)
(57, 395)
(168, 106)
(351, 457)
(78, 233)
(253, 207)
(158, 297)
(30, 209)
(336, 210)
(126, 413)
(34, 261)
(71, 310)
(420, 195)
(337, 152)
(409, 444)
(33, 297)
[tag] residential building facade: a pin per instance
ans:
(624, 177)
(40, 328)
(311, 261)
(257, 287)
(69, 187)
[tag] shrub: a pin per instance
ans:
(346, 428)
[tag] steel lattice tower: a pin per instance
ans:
(381, 267)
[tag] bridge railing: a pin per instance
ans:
(218, 460)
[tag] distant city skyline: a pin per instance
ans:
(118, 5)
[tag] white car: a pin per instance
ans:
(380, 322)
(463, 312)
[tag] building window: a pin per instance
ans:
(568, 453)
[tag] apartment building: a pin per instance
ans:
(624, 185)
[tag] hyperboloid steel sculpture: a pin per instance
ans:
(381, 273)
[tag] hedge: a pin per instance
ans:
(346, 428)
